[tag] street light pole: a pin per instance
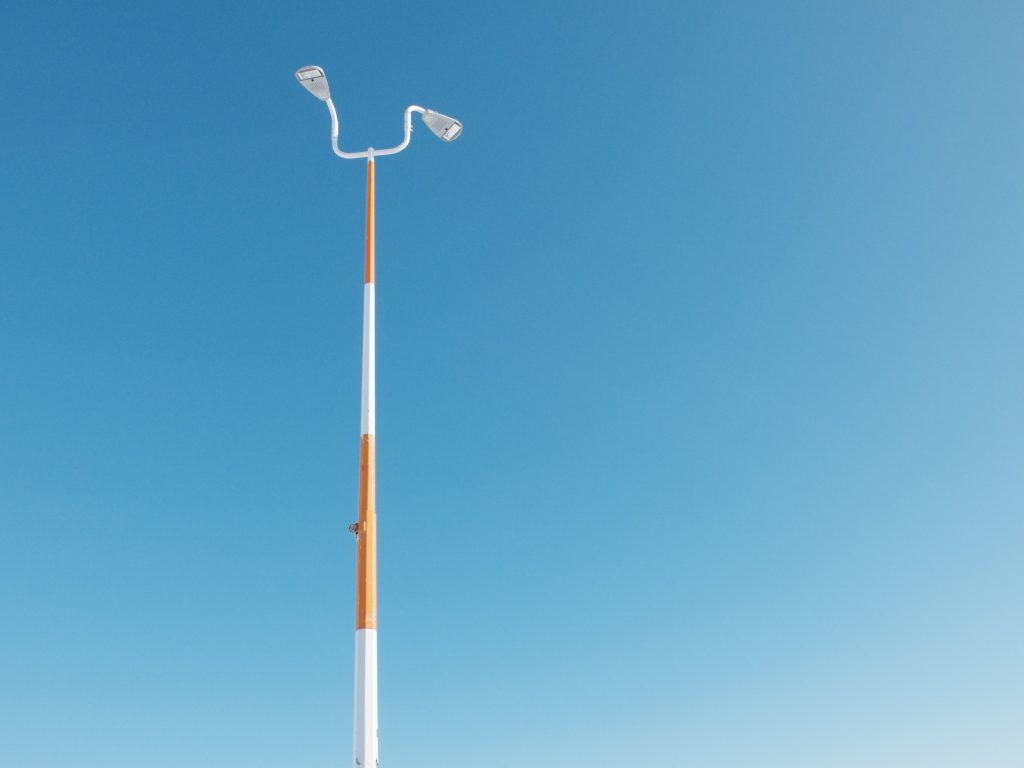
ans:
(365, 712)
(365, 733)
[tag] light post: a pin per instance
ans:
(365, 746)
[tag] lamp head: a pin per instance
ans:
(314, 80)
(444, 127)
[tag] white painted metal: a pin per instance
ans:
(314, 79)
(365, 738)
(391, 151)
(368, 412)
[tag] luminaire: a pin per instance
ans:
(444, 127)
(314, 80)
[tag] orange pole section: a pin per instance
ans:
(366, 569)
(370, 223)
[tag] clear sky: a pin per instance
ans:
(700, 403)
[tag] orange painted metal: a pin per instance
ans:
(366, 558)
(370, 223)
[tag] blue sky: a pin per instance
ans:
(699, 409)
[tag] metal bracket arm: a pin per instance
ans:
(367, 153)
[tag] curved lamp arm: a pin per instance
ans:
(374, 152)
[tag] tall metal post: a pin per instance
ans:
(365, 750)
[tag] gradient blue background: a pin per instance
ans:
(700, 384)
